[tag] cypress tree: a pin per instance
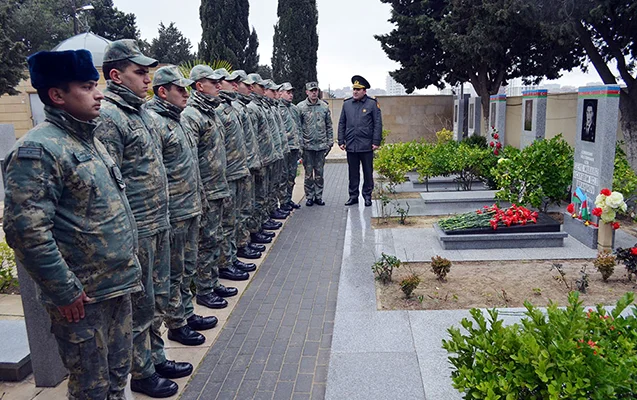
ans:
(226, 33)
(294, 55)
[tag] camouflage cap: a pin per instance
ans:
(287, 86)
(239, 74)
(311, 85)
(272, 85)
(204, 71)
(127, 49)
(223, 72)
(170, 74)
(256, 78)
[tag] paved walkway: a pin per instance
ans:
(276, 343)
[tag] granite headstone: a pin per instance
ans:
(460, 120)
(498, 115)
(7, 140)
(475, 116)
(533, 116)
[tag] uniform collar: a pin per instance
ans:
(67, 122)
(123, 96)
(203, 102)
(164, 108)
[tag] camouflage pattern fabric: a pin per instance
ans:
(314, 163)
(236, 153)
(97, 349)
(66, 214)
(291, 123)
(184, 236)
(261, 213)
(229, 221)
(245, 207)
(210, 240)
(249, 131)
(267, 152)
(316, 125)
(291, 169)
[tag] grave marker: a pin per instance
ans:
(498, 115)
(460, 106)
(533, 116)
(475, 116)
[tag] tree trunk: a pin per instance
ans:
(628, 123)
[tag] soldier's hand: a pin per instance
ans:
(374, 147)
(74, 312)
(342, 147)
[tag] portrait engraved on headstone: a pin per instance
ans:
(492, 115)
(528, 115)
(455, 113)
(471, 115)
(589, 120)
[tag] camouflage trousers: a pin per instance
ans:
(291, 168)
(314, 163)
(184, 237)
(253, 220)
(282, 190)
(149, 305)
(261, 213)
(210, 240)
(97, 349)
(274, 185)
(245, 206)
(229, 222)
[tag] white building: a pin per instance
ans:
(394, 88)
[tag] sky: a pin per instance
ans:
(346, 36)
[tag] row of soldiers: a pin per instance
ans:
(117, 206)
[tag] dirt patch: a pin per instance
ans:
(400, 195)
(411, 222)
(487, 284)
(11, 289)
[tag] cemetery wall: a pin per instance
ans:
(408, 117)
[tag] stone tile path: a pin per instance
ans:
(276, 344)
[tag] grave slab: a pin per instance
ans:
(500, 241)
(15, 358)
(475, 116)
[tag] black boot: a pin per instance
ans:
(277, 214)
(258, 247)
(199, 323)
(246, 252)
(260, 238)
(319, 202)
(212, 301)
(186, 336)
(154, 386)
(294, 205)
(267, 234)
(246, 267)
(225, 291)
(271, 226)
(233, 274)
(309, 202)
(172, 370)
(286, 207)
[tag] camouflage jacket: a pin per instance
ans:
(290, 124)
(200, 120)
(236, 153)
(267, 151)
(285, 147)
(274, 128)
(316, 125)
(179, 151)
(130, 136)
(249, 131)
(66, 214)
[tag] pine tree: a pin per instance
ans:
(11, 54)
(109, 22)
(226, 33)
(294, 55)
(170, 47)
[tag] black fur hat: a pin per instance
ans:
(50, 68)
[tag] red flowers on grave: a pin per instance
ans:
(597, 211)
(495, 142)
(492, 144)
(496, 136)
(615, 225)
(605, 192)
(514, 215)
(633, 251)
(570, 208)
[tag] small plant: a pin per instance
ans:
(504, 296)
(441, 267)
(628, 257)
(582, 283)
(384, 267)
(382, 194)
(7, 265)
(402, 213)
(409, 284)
(537, 291)
(562, 275)
(605, 264)
(444, 135)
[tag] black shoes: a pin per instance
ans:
(186, 336)
(172, 370)
(154, 386)
(212, 300)
(351, 201)
(199, 323)
(275, 223)
(233, 274)
(368, 202)
(271, 226)
(267, 234)
(246, 252)
(279, 214)
(224, 291)
(259, 237)
(258, 247)
(286, 207)
(309, 202)
(319, 202)
(245, 267)
(294, 205)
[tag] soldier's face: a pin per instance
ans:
(209, 86)
(227, 86)
(135, 77)
(270, 93)
(359, 93)
(258, 89)
(82, 100)
(176, 96)
(243, 88)
(287, 95)
(312, 94)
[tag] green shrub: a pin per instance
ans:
(566, 354)
(537, 176)
(7, 266)
(476, 141)
(624, 178)
(409, 284)
(441, 267)
(444, 135)
(384, 267)
(471, 163)
(605, 264)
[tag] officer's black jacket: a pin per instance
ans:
(360, 124)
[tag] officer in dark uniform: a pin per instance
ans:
(359, 133)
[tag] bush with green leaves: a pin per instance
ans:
(471, 164)
(624, 178)
(605, 264)
(537, 176)
(441, 267)
(7, 267)
(444, 135)
(409, 284)
(475, 141)
(384, 267)
(569, 353)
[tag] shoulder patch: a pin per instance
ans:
(30, 152)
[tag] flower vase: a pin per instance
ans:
(605, 237)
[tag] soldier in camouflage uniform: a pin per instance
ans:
(317, 141)
(290, 115)
(201, 121)
(182, 168)
(67, 218)
(238, 176)
(267, 153)
(130, 136)
(272, 92)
